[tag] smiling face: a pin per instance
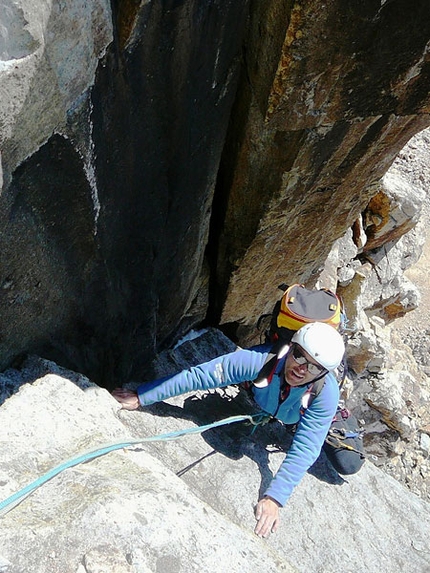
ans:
(297, 374)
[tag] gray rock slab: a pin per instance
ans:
(186, 504)
(363, 523)
(125, 511)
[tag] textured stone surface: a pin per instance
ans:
(109, 170)
(392, 212)
(118, 231)
(177, 505)
(49, 53)
(169, 163)
(125, 512)
(330, 128)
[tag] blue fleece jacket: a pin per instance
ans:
(244, 365)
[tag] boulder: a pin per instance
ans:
(393, 211)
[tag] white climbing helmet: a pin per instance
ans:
(322, 342)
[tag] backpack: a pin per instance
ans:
(299, 306)
(343, 445)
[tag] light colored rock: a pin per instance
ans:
(425, 443)
(389, 293)
(338, 266)
(393, 211)
(355, 298)
(120, 513)
(366, 351)
(184, 505)
(56, 46)
(359, 233)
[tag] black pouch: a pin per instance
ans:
(344, 443)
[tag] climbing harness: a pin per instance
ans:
(13, 500)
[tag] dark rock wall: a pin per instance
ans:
(48, 255)
(222, 149)
(99, 278)
(159, 125)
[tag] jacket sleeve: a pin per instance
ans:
(232, 368)
(307, 443)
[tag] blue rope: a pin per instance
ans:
(9, 503)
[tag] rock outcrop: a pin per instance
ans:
(184, 505)
(109, 162)
(163, 163)
(331, 122)
(389, 385)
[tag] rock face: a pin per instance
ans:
(389, 385)
(183, 505)
(312, 142)
(108, 181)
(166, 162)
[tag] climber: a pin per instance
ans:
(316, 350)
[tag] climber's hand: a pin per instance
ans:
(267, 516)
(127, 398)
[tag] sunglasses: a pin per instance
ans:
(301, 359)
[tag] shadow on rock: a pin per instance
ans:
(28, 369)
(241, 438)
